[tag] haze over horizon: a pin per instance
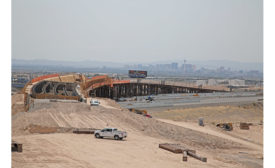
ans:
(138, 31)
(210, 64)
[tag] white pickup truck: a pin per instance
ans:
(110, 133)
(94, 102)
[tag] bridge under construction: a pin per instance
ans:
(142, 89)
(79, 87)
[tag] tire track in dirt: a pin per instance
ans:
(212, 132)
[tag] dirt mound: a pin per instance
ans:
(47, 116)
(48, 130)
(17, 103)
(40, 129)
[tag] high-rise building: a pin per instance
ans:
(174, 66)
(187, 68)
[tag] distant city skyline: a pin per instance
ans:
(211, 64)
(130, 31)
(157, 70)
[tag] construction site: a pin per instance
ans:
(168, 124)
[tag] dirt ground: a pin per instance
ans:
(17, 103)
(248, 112)
(49, 142)
(212, 115)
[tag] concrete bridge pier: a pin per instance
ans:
(142, 89)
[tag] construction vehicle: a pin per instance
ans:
(143, 112)
(225, 126)
(196, 94)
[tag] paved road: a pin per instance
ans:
(182, 100)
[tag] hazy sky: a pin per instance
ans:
(137, 30)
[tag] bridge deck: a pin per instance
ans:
(104, 86)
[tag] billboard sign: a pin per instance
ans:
(137, 74)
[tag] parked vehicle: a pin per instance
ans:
(121, 99)
(110, 133)
(150, 98)
(94, 102)
(147, 115)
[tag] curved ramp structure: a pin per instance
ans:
(54, 88)
(76, 86)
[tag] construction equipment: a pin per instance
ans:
(245, 126)
(16, 147)
(142, 112)
(177, 148)
(225, 126)
(201, 122)
(196, 94)
(203, 159)
(84, 130)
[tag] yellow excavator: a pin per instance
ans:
(141, 112)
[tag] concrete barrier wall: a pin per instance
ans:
(54, 79)
(68, 78)
(44, 77)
